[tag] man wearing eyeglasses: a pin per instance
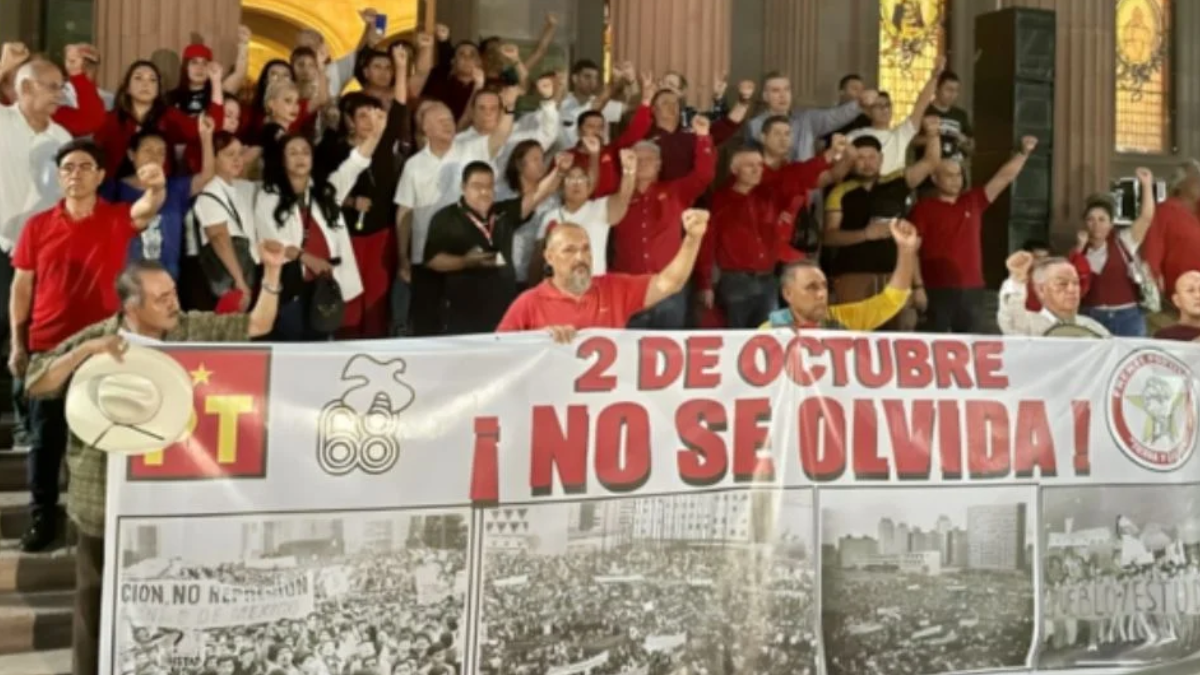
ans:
(67, 260)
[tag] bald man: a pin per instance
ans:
(1187, 299)
(572, 300)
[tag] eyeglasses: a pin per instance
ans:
(54, 87)
(70, 168)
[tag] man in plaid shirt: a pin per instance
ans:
(150, 308)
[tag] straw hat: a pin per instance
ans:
(139, 405)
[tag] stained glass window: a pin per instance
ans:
(912, 34)
(1143, 76)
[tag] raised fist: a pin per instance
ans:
(591, 144)
(932, 126)
(564, 161)
(701, 125)
(746, 91)
(215, 71)
(545, 88)
(441, 32)
(424, 41)
(695, 223)
(152, 176)
(1029, 144)
(1144, 175)
(721, 85)
(508, 97)
(244, 35)
(510, 52)
(628, 159)
(205, 125)
(905, 234)
(1019, 265)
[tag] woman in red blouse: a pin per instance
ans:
(141, 104)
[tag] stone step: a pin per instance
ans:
(35, 621)
(22, 572)
(52, 662)
(15, 517)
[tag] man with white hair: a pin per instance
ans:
(29, 141)
(1057, 285)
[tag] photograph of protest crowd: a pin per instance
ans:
(379, 591)
(1121, 573)
(717, 583)
(927, 582)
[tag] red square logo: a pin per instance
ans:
(227, 435)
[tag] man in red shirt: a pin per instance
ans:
(747, 240)
(572, 300)
(1172, 246)
(67, 261)
(950, 224)
(648, 237)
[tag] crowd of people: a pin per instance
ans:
(1123, 622)
(649, 608)
(371, 621)
(890, 622)
(464, 188)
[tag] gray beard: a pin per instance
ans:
(578, 284)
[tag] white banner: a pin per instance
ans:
(796, 503)
(209, 604)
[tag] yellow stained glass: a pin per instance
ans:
(912, 34)
(1143, 76)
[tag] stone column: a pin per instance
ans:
(1085, 106)
(692, 36)
(128, 30)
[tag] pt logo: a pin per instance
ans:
(1152, 410)
(359, 430)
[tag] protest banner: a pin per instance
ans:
(662, 503)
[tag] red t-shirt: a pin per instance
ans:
(611, 301)
(75, 264)
(951, 248)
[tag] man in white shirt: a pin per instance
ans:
(487, 110)
(1057, 285)
(432, 180)
(586, 85)
(895, 141)
(29, 140)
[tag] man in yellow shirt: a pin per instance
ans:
(806, 292)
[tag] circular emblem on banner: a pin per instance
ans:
(1152, 410)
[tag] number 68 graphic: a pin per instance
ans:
(358, 431)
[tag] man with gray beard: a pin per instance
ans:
(570, 300)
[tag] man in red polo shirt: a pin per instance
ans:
(952, 257)
(747, 240)
(648, 237)
(67, 261)
(572, 300)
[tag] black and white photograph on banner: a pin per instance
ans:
(927, 581)
(1121, 575)
(373, 591)
(717, 583)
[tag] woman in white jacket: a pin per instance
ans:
(305, 215)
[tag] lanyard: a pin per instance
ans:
(486, 228)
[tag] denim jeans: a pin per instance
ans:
(1125, 322)
(670, 314)
(48, 424)
(747, 299)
